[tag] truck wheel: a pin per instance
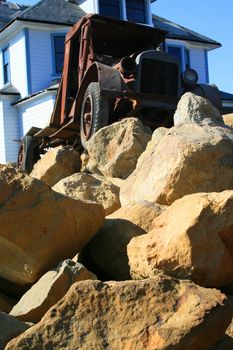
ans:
(25, 154)
(94, 112)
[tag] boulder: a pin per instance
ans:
(49, 290)
(186, 159)
(191, 239)
(114, 149)
(57, 163)
(160, 313)
(10, 328)
(106, 253)
(6, 303)
(196, 109)
(40, 227)
(90, 187)
(228, 119)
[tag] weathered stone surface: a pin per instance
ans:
(49, 290)
(161, 313)
(57, 163)
(114, 149)
(196, 109)
(10, 328)
(6, 303)
(90, 187)
(228, 119)
(107, 251)
(191, 239)
(188, 158)
(40, 227)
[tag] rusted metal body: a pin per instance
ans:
(123, 63)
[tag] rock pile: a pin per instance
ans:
(148, 221)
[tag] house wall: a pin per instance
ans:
(36, 112)
(198, 58)
(89, 6)
(9, 130)
(2, 135)
(18, 68)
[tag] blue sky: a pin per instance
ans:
(209, 17)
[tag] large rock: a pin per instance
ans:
(40, 227)
(191, 239)
(10, 328)
(114, 149)
(90, 187)
(228, 119)
(188, 158)
(196, 109)
(161, 313)
(49, 290)
(6, 303)
(57, 163)
(106, 253)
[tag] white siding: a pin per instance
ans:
(36, 112)
(18, 68)
(2, 135)
(1, 69)
(40, 59)
(89, 6)
(9, 130)
(198, 62)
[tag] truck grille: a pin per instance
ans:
(159, 77)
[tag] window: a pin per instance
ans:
(6, 66)
(110, 8)
(182, 54)
(136, 10)
(59, 47)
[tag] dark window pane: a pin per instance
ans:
(6, 66)
(187, 58)
(136, 11)
(176, 52)
(59, 47)
(110, 8)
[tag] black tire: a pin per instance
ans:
(94, 112)
(26, 154)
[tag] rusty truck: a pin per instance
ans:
(112, 69)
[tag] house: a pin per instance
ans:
(32, 49)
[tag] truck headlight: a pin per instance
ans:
(190, 77)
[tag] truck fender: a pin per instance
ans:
(108, 78)
(211, 93)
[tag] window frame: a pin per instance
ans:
(6, 77)
(123, 11)
(55, 72)
(183, 50)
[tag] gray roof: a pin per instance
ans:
(176, 31)
(67, 13)
(8, 11)
(53, 11)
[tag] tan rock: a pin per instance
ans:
(6, 303)
(196, 109)
(50, 288)
(90, 187)
(188, 158)
(228, 119)
(107, 251)
(191, 239)
(10, 328)
(40, 227)
(161, 313)
(115, 149)
(57, 163)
